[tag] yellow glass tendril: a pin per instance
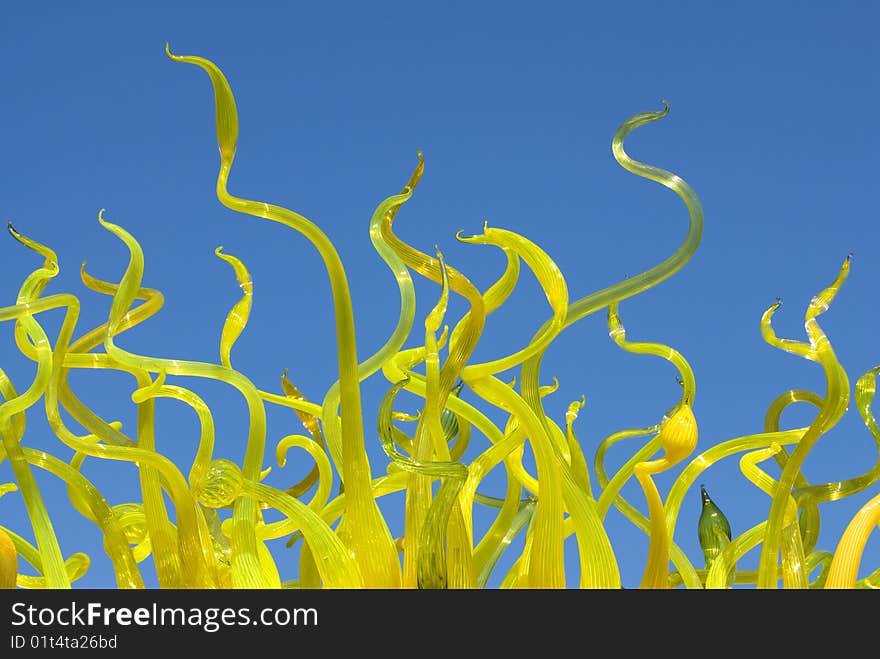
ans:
(212, 523)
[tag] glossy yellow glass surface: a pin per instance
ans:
(205, 525)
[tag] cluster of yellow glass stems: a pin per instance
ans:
(201, 551)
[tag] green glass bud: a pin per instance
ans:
(448, 420)
(713, 529)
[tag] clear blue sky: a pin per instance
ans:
(514, 106)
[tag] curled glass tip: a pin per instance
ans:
(14, 232)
